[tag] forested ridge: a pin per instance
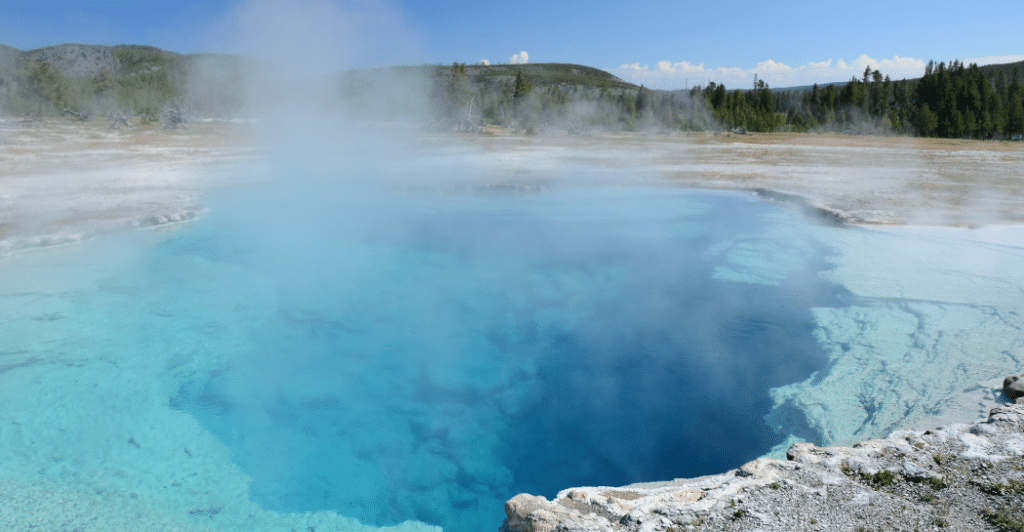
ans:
(83, 81)
(954, 101)
(951, 100)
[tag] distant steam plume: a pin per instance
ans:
(311, 37)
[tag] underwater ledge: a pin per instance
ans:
(964, 476)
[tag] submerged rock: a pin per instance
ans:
(1013, 386)
(959, 477)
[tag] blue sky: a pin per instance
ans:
(660, 43)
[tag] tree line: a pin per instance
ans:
(141, 81)
(148, 80)
(949, 101)
(534, 103)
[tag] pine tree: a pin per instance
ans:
(894, 120)
(865, 95)
(956, 125)
(814, 102)
(458, 92)
(997, 113)
(519, 96)
(1014, 107)
(886, 96)
(719, 97)
(876, 97)
(927, 121)
(46, 86)
(1001, 84)
(522, 86)
(643, 102)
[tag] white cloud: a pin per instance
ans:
(676, 68)
(484, 62)
(669, 75)
(521, 58)
(772, 66)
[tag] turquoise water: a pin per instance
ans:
(423, 356)
(430, 357)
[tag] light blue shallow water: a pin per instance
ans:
(408, 355)
(427, 357)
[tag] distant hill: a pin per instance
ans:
(540, 74)
(77, 60)
(138, 80)
(838, 85)
(81, 80)
(461, 96)
(544, 74)
(990, 70)
(8, 59)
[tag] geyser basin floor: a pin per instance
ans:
(87, 434)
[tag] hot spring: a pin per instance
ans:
(458, 351)
(405, 354)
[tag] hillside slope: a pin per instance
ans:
(86, 80)
(131, 79)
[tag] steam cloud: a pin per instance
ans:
(315, 37)
(414, 329)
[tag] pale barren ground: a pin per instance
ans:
(61, 181)
(878, 180)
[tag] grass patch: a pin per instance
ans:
(882, 478)
(934, 482)
(1003, 520)
(1002, 488)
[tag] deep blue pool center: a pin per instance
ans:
(428, 356)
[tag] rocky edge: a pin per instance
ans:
(959, 477)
